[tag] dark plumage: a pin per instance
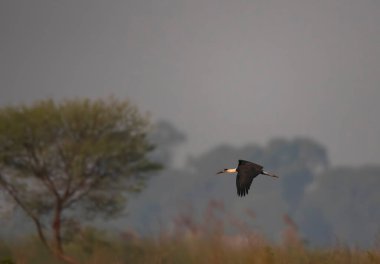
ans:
(246, 172)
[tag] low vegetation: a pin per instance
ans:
(174, 249)
(190, 241)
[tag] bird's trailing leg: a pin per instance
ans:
(269, 174)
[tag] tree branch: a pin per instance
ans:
(89, 188)
(66, 171)
(86, 181)
(39, 171)
(13, 193)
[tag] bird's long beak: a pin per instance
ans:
(269, 174)
(220, 172)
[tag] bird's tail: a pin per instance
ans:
(269, 174)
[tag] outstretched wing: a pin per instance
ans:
(247, 171)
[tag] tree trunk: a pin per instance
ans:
(56, 225)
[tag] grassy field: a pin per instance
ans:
(168, 249)
(190, 242)
(93, 247)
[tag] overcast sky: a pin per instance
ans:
(222, 71)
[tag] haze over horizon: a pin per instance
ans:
(222, 72)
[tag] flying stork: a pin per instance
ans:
(246, 172)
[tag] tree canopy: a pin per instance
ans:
(76, 155)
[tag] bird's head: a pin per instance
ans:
(227, 171)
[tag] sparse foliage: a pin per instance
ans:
(77, 156)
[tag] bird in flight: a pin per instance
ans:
(246, 172)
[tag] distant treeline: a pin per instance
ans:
(326, 203)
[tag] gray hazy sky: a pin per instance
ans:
(222, 71)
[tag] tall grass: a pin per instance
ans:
(191, 241)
